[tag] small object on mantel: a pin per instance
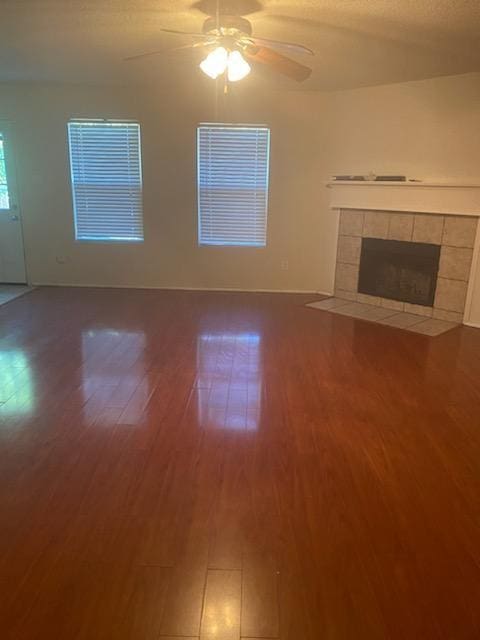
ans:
(371, 177)
(349, 178)
(391, 179)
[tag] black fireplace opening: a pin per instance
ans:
(404, 271)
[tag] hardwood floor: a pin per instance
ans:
(218, 466)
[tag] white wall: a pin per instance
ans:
(169, 257)
(427, 129)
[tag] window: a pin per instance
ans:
(4, 197)
(106, 174)
(232, 184)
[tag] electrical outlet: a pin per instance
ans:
(284, 265)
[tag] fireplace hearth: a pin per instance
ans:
(397, 270)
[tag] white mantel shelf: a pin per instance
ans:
(448, 198)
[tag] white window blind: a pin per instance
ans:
(4, 197)
(106, 175)
(232, 174)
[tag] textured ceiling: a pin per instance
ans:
(357, 42)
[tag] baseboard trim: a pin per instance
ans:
(475, 325)
(164, 288)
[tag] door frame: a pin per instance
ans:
(7, 128)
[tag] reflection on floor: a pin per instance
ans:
(382, 315)
(218, 466)
(16, 384)
(11, 291)
(229, 380)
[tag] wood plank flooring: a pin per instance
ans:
(224, 466)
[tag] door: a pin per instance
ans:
(12, 258)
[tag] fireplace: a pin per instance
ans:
(398, 270)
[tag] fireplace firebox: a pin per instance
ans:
(404, 271)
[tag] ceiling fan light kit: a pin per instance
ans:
(238, 67)
(215, 63)
(221, 60)
(235, 45)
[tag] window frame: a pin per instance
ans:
(104, 240)
(230, 125)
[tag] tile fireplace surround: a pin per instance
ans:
(454, 234)
(442, 213)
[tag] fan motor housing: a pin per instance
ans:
(227, 24)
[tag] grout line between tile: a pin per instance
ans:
(443, 232)
(454, 279)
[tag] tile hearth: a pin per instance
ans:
(386, 316)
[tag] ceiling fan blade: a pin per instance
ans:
(299, 48)
(156, 53)
(143, 55)
(186, 33)
(278, 62)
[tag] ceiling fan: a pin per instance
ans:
(232, 46)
